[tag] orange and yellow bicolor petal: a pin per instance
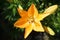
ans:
(47, 12)
(21, 23)
(28, 30)
(32, 11)
(33, 26)
(38, 27)
(22, 13)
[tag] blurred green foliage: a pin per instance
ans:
(8, 12)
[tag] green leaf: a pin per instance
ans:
(14, 11)
(11, 6)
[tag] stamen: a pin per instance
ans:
(31, 19)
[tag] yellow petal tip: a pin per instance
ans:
(51, 9)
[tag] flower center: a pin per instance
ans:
(31, 20)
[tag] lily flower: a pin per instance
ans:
(30, 19)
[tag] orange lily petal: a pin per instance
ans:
(21, 23)
(38, 27)
(22, 13)
(47, 12)
(49, 30)
(28, 30)
(32, 11)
